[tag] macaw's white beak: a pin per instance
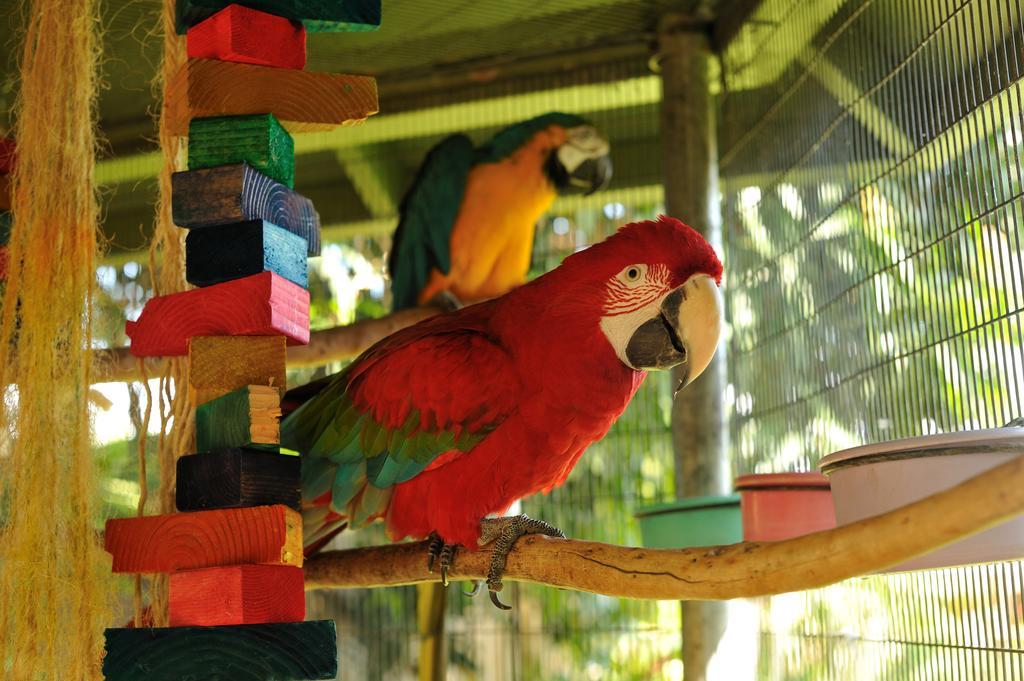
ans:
(685, 332)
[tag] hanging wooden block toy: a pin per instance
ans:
(247, 417)
(269, 535)
(237, 594)
(261, 305)
(236, 193)
(318, 16)
(217, 254)
(221, 364)
(250, 652)
(258, 140)
(302, 101)
(234, 549)
(235, 478)
(248, 36)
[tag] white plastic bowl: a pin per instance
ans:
(873, 479)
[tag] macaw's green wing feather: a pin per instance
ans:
(395, 413)
(428, 211)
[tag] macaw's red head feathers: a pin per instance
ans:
(653, 290)
(665, 241)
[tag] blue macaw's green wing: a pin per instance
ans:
(383, 420)
(422, 240)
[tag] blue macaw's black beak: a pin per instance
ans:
(592, 175)
(581, 165)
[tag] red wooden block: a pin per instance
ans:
(270, 535)
(240, 594)
(7, 155)
(245, 35)
(261, 305)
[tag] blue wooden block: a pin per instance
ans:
(241, 249)
(234, 193)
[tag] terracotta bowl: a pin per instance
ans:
(697, 521)
(877, 478)
(778, 506)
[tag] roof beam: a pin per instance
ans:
(865, 111)
(495, 112)
(374, 177)
(771, 39)
(434, 121)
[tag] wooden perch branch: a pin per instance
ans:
(325, 346)
(346, 342)
(710, 573)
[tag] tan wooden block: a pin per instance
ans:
(303, 101)
(219, 365)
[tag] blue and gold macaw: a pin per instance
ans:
(467, 223)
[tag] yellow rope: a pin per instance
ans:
(167, 265)
(54, 577)
(143, 482)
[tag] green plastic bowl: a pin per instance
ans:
(697, 521)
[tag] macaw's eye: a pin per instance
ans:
(633, 274)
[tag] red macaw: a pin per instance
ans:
(450, 421)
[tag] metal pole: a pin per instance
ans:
(690, 158)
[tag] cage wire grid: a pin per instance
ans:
(871, 197)
(871, 173)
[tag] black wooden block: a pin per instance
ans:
(225, 252)
(247, 652)
(237, 477)
(238, 192)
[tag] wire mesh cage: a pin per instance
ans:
(871, 186)
(871, 169)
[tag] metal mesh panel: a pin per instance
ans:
(874, 228)
(954, 623)
(871, 181)
(872, 190)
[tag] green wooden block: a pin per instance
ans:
(258, 140)
(247, 417)
(245, 652)
(316, 15)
